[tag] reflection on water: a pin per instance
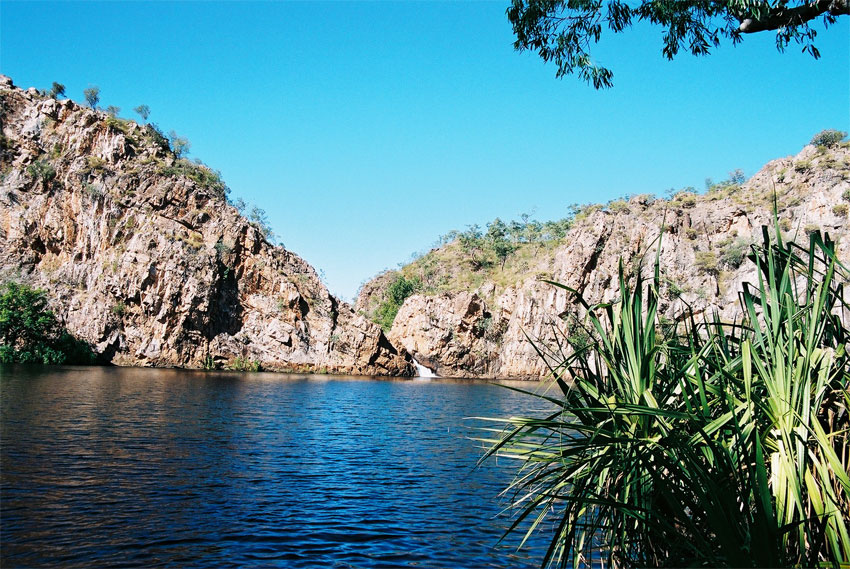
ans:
(139, 467)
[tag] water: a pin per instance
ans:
(422, 371)
(113, 467)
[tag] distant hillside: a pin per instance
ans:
(463, 308)
(144, 258)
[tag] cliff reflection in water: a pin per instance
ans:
(122, 466)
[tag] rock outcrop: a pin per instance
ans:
(483, 330)
(146, 260)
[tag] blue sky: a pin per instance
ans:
(367, 129)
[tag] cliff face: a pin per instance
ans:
(475, 325)
(145, 259)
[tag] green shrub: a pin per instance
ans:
(209, 363)
(732, 254)
(706, 261)
(697, 444)
(394, 296)
(618, 206)
(802, 166)
(95, 163)
(840, 209)
(157, 137)
(208, 178)
(42, 171)
(482, 325)
(244, 364)
(30, 333)
(828, 138)
(94, 192)
(845, 195)
(117, 124)
(202, 175)
(119, 308)
(685, 199)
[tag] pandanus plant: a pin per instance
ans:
(700, 444)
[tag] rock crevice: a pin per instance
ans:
(145, 259)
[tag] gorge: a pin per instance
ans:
(146, 260)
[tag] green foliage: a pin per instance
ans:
(482, 325)
(840, 210)
(400, 289)
(244, 364)
(708, 445)
(618, 206)
(239, 204)
(42, 171)
(394, 296)
(209, 363)
(706, 261)
(501, 240)
(828, 138)
(57, 90)
(95, 163)
(732, 252)
(497, 239)
(199, 173)
(113, 111)
(92, 95)
(258, 217)
(802, 166)
(143, 111)
(30, 333)
(564, 32)
(157, 136)
(684, 198)
(727, 186)
(222, 249)
(115, 123)
(179, 144)
(737, 177)
(118, 309)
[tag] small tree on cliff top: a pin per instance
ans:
(143, 111)
(92, 95)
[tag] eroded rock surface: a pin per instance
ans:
(144, 258)
(481, 331)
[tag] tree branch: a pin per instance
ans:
(782, 17)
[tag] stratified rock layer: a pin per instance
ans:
(143, 257)
(482, 332)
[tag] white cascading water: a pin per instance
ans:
(422, 371)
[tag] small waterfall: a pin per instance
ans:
(422, 371)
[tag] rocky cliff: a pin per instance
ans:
(145, 259)
(472, 320)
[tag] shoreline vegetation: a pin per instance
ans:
(692, 442)
(724, 444)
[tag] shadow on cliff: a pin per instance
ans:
(225, 316)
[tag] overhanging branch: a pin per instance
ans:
(784, 17)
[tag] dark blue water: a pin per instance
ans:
(106, 467)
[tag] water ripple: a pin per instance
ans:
(138, 468)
